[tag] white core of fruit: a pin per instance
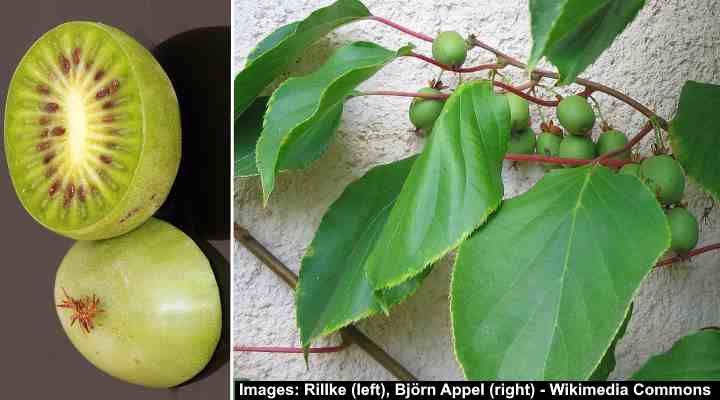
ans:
(77, 125)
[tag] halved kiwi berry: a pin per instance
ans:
(92, 131)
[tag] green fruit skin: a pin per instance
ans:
(158, 165)
(161, 318)
(576, 115)
(683, 229)
(665, 178)
(611, 141)
(424, 112)
(578, 147)
(548, 145)
(449, 48)
(630, 169)
(522, 142)
(519, 112)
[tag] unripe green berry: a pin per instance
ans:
(611, 141)
(522, 142)
(665, 178)
(548, 145)
(424, 112)
(519, 112)
(630, 169)
(449, 48)
(578, 147)
(683, 230)
(576, 115)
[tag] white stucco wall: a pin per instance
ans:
(671, 41)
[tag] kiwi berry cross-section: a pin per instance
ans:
(92, 131)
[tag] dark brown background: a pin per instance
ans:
(37, 360)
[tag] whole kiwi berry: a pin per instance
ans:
(92, 131)
(611, 141)
(144, 307)
(424, 112)
(683, 230)
(548, 145)
(576, 115)
(519, 112)
(578, 147)
(665, 178)
(630, 169)
(522, 142)
(449, 48)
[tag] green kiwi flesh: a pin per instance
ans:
(92, 132)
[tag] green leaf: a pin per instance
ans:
(540, 291)
(453, 187)
(304, 112)
(695, 134)
(247, 132)
(278, 50)
(573, 33)
(693, 357)
(607, 364)
(333, 291)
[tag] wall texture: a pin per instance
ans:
(671, 41)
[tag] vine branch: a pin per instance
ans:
(349, 333)
(590, 86)
(684, 257)
(289, 350)
(401, 28)
(477, 68)
(506, 59)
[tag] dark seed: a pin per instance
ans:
(114, 86)
(69, 194)
(58, 131)
(44, 120)
(76, 56)
(48, 157)
(108, 105)
(99, 75)
(108, 119)
(102, 93)
(50, 172)
(54, 188)
(43, 89)
(42, 146)
(64, 64)
(106, 158)
(81, 193)
(44, 133)
(51, 107)
(112, 146)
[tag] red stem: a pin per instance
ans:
(565, 161)
(477, 68)
(288, 350)
(692, 253)
(394, 93)
(528, 97)
(647, 128)
(401, 28)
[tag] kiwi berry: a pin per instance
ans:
(548, 145)
(577, 147)
(576, 115)
(424, 112)
(449, 48)
(92, 131)
(665, 178)
(519, 112)
(612, 141)
(522, 142)
(683, 230)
